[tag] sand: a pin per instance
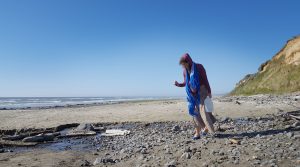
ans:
(144, 111)
(166, 111)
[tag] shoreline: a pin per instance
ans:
(89, 104)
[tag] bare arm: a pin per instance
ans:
(183, 83)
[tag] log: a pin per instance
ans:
(79, 133)
(40, 138)
(17, 143)
(15, 137)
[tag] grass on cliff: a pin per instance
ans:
(278, 78)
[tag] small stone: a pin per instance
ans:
(292, 148)
(86, 163)
(236, 162)
(296, 136)
(296, 124)
(289, 134)
(168, 151)
(224, 119)
(175, 128)
(144, 151)
(171, 164)
(185, 156)
(2, 150)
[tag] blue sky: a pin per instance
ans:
(132, 47)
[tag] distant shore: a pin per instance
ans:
(86, 105)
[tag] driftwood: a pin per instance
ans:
(17, 143)
(15, 137)
(40, 138)
(73, 133)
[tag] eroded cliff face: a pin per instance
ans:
(281, 74)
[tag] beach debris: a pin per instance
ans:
(17, 143)
(116, 132)
(40, 138)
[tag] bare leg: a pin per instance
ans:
(206, 119)
(198, 123)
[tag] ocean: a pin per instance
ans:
(49, 102)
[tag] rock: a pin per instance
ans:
(176, 128)
(296, 136)
(185, 156)
(292, 148)
(171, 164)
(296, 124)
(86, 163)
(2, 150)
(144, 151)
(187, 150)
(105, 160)
(289, 134)
(224, 119)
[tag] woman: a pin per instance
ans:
(198, 89)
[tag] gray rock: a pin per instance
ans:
(289, 134)
(296, 124)
(86, 163)
(224, 119)
(185, 156)
(144, 151)
(105, 160)
(176, 128)
(171, 164)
